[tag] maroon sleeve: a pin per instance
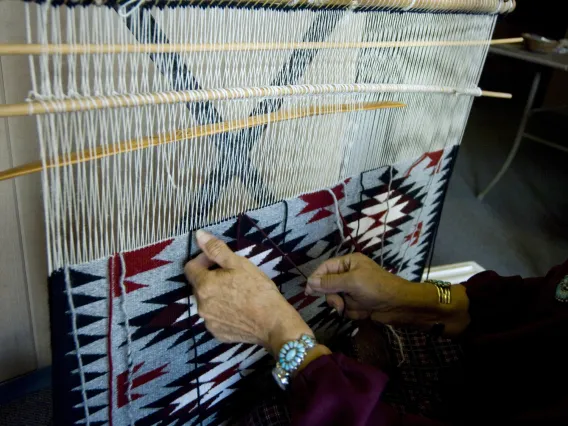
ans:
(514, 351)
(337, 390)
(498, 304)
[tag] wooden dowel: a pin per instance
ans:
(91, 49)
(466, 6)
(159, 98)
(499, 95)
(191, 133)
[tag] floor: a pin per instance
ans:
(521, 227)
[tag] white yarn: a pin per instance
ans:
(122, 202)
(399, 343)
(338, 220)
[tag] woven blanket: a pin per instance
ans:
(128, 345)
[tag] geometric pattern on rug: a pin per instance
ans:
(132, 315)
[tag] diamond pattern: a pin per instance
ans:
(179, 374)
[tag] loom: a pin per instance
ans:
(156, 118)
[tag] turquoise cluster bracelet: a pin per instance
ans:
(290, 358)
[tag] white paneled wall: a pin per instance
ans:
(24, 319)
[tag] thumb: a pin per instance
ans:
(215, 249)
(330, 275)
(330, 283)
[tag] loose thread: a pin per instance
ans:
(356, 245)
(194, 340)
(338, 221)
(284, 255)
(359, 250)
(385, 221)
(129, 358)
(342, 224)
(399, 343)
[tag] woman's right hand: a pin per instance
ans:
(356, 285)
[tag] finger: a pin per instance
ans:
(215, 249)
(336, 302)
(196, 268)
(332, 283)
(336, 265)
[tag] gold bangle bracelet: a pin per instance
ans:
(444, 291)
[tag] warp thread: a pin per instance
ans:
(129, 358)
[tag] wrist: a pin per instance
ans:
(287, 326)
(419, 307)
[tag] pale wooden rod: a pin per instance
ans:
(93, 49)
(466, 6)
(192, 133)
(202, 95)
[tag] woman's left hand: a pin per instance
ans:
(238, 302)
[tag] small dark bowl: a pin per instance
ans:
(536, 43)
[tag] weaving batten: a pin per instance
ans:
(92, 49)
(189, 134)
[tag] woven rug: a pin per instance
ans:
(128, 345)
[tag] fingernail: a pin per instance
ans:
(202, 237)
(315, 281)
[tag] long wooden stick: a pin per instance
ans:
(191, 133)
(159, 98)
(91, 49)
(470, 6)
